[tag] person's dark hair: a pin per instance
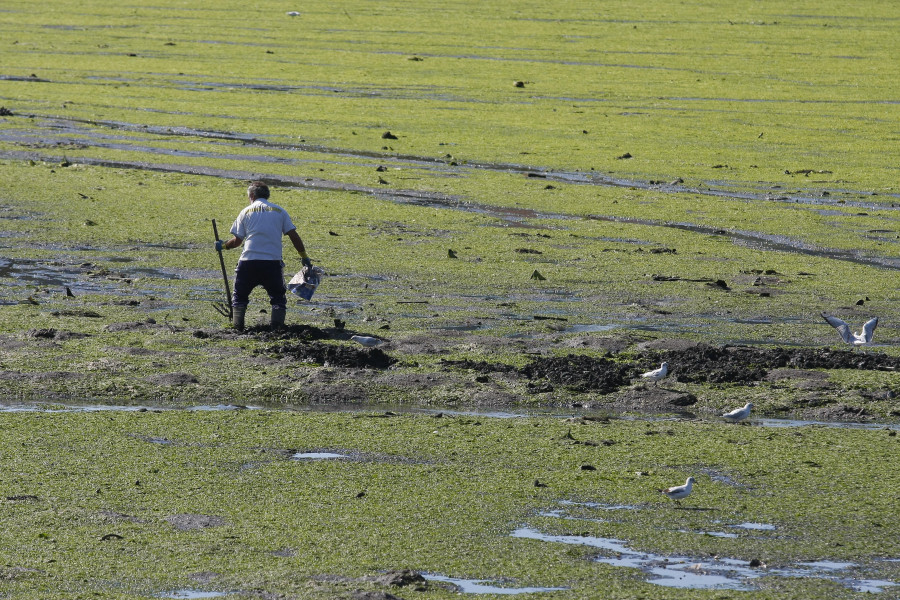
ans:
(258, 189)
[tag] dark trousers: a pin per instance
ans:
(267, 273)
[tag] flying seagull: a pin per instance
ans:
(738, 414)
(656, 374)
(679, 491)
(857, 339)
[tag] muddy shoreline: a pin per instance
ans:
(333, 373)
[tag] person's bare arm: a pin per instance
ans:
(298, 243)
(233, 242)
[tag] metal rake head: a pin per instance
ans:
(222, 309)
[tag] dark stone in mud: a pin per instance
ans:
(48, 333)
(334, 355)
(189, 522)
(656, 398)
(400, 578)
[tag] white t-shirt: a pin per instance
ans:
(261, 225)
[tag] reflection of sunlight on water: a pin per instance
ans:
(482, 586)
(755, 526)
(316, 455)
(500, 414)
(191, 594)
(698, 573)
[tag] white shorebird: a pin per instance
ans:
(857, 339)
(364, 340)
(679, 491)
(738, 414)
(657, 374)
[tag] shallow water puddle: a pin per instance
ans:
(500, 414)
(755, 526)
(692, 573)
(317, 455)
(482, 586)
(69, 408)
(191, 594)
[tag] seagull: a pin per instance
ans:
(364, 340)
(857, 339)
(738, 414)
(293, 13)
(679, 491)
(656, 374)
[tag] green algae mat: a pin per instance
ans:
(250, 504)
(530, 205)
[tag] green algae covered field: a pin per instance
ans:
(530, 204)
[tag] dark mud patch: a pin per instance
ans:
(173, 379)
(295, 332)
(332, 355)
(57, 376)
(54, 334)
(132, 326)
(345, 394)
(689, 363)
(655, 398)
(189, 522)
(581, 373)
(608, 344)
(743, 364)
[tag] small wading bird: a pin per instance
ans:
(738, 414)
(679, 491)
(857, 339)
(657, 374)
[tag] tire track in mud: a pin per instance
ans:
(514, 216)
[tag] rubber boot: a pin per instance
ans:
(278, 315)
(237, 316)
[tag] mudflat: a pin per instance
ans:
(529, 206)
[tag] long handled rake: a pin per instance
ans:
(223, 309)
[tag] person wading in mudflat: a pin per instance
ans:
(260, 227)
